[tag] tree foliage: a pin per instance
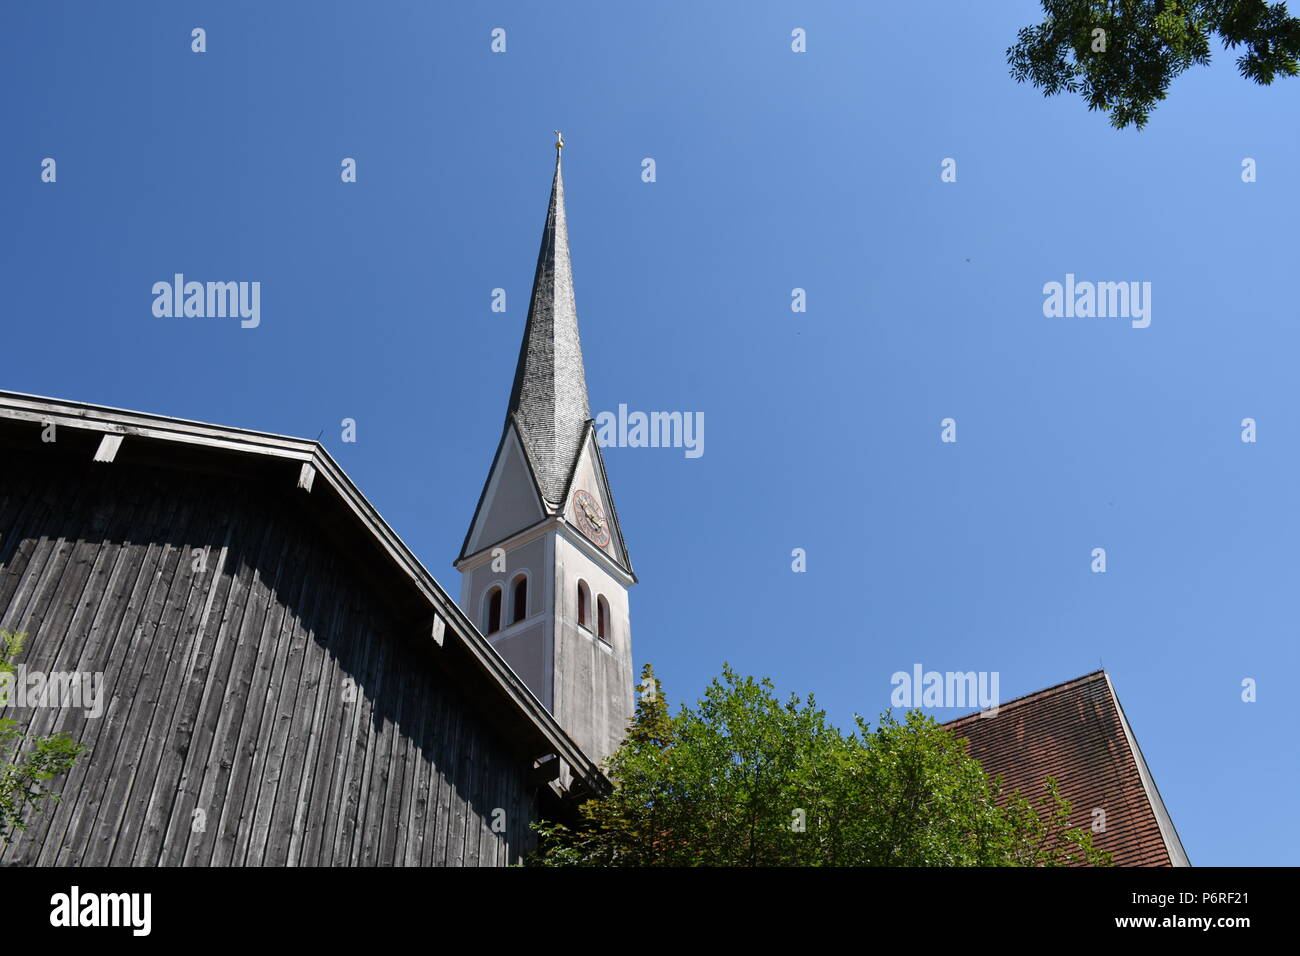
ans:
(27, 761)
(742, 779)
(1121, 55)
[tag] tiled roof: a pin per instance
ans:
(1077, 733)
(549, 397)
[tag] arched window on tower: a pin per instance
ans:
(602, 618)
(492, 611)
(584, 602)
(519, 599)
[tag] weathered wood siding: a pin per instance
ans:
(262, 703)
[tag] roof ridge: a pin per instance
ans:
(1033, 695)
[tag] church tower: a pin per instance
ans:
(544, 570)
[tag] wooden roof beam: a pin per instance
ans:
(108, 446)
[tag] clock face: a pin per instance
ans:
(591, 519)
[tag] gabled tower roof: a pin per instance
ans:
(548, 424)
(548, 401)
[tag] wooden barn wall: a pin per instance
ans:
(228, 734)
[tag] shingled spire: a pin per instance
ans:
(548, 402)
(548, 463)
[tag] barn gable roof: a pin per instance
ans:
(1077, 733)
(343, 511)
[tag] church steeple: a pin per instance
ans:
(544, 570)
(548, 401)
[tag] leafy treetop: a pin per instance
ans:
(742, 779)
(1121, 55)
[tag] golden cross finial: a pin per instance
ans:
(559, 141)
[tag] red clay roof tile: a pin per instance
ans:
(1076, 733)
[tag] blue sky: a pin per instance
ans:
(775, 170)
